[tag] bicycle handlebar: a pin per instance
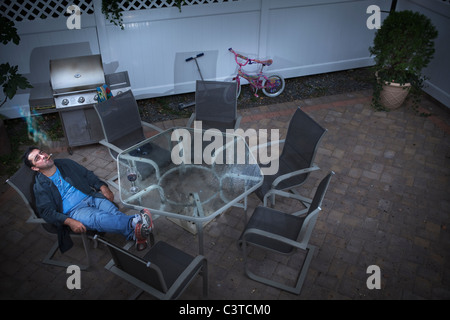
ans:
(237, 55)
(197, 56)
(249, 60)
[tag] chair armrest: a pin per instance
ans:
(238, 122)
(110, 146)
(293, 174)
(34, 219)
(146, 160)
(290, 195)
(273, 191)
(267, 144)
(191, 119)
(272, 236)
(149, 125)
(185, 275)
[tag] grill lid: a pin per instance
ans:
(76, 74)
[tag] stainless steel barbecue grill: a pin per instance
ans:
(74, 83)
(74, 80)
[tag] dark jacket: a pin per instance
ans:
(48, 199)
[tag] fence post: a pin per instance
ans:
(102, 35)
(263, 28)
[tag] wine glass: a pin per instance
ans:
(132, 176)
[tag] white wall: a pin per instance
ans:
(42, 41)
(302, 37)
(438, 71)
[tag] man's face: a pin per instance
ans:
(40, 160)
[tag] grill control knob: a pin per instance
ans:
(81, 99)
(65, 102)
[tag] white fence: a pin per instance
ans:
(438, 86)
(302, 37)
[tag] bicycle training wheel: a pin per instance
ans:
(273, 86)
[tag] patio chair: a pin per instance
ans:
(296, 161)
(22, 182)
(164, 272)
(123, 128)
(216, 105)
(283, 233)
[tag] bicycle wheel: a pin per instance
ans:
(273, 86)
(238, 89)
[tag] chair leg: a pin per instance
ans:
(205, 279)
(272, 201)
(305, 201)
(301, 277)
(112, 183)
(95, 243)
(84, 238)
(51, 261)
(136, 294)
(305, 267)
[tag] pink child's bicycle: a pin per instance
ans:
(271, 85)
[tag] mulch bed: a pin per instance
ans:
(166, 108)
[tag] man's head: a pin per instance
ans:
(36, 159)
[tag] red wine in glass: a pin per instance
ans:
(132, 176)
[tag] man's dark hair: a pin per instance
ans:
(25, 159)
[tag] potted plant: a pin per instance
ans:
(402, 47)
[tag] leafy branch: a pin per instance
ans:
(179, 3)
(8, 31)
(112, 11)
(10, 79)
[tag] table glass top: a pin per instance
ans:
(188, 172)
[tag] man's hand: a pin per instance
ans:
(107, 193)
(75, 225)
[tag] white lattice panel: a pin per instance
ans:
(129, 5)
(19, 10)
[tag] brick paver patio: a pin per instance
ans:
(388, 205)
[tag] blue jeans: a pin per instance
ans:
(102, 215)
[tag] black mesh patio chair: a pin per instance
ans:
(215, 108)
(283, 233)
(164, 272)
(123, 128)
(22, 182)
(296, 161)
(216, 105)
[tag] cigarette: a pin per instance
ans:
(50, 155)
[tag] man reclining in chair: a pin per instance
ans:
(66, 193)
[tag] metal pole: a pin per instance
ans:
(393, 5)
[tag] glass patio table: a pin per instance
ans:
(188, 174)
